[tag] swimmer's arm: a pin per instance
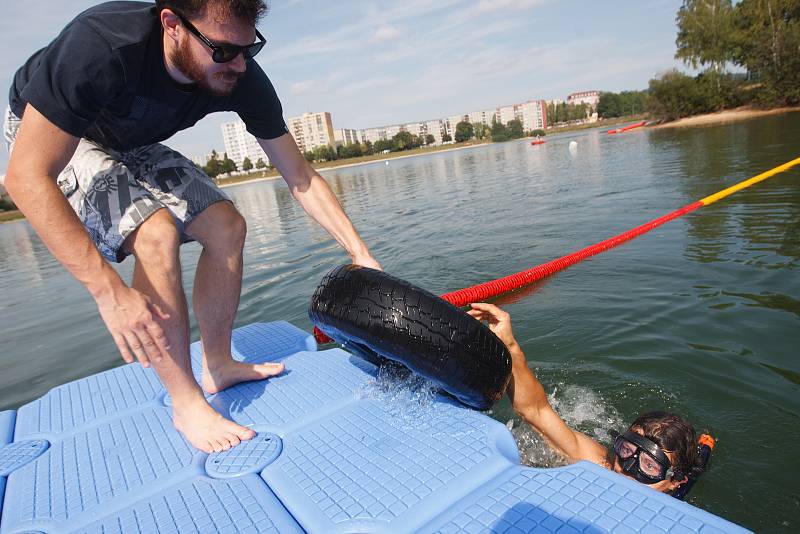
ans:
(529, 399)
(316, 197)
(530, 402)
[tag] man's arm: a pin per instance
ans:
(316, 197)
(41, 151)
(529, 399)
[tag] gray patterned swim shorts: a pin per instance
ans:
(114, 192)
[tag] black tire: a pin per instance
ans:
(376, 316)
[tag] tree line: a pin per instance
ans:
(565, 113)
(760, 39)
(404, 140)
(216, 166)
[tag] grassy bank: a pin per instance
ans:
(10, 215)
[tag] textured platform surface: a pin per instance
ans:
(335, 452)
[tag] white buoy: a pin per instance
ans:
(387, 162)
(573, 147)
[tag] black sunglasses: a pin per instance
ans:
(227, 52)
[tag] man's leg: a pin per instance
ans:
(157, 274)
(217, 287)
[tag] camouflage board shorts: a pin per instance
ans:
(114, 192)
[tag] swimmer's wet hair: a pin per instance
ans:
(249, 11)
(673, 433)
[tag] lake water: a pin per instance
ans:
(700, 316)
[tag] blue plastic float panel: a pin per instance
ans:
(332, 454)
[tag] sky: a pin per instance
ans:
(375, 63)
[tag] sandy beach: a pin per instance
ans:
(728, 115)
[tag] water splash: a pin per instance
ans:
(407, 396)
(582, 409)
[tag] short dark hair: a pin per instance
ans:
(249, 11)
(673, 433)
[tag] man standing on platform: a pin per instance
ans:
(86, 117)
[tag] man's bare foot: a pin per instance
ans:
(230, 373)
(205, 428)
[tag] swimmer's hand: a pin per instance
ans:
(498, 320)
(367, 261)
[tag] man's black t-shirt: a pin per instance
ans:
(103, 78)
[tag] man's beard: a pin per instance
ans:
(183, 61)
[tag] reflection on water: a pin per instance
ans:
(699, 316)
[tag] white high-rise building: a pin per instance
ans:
(585, 97)
(534, 115)
(483, 117)
(452, 122)
(509, 113)
(345, 136)
(437, 128)
(312, 130)
(241, 144)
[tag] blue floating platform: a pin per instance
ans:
(331, 455)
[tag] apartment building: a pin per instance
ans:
(312, 130)
(585, 97)
(240, 144)
(533, 115)
(345, 136)
(483, 117)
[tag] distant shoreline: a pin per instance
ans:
(238, 180)
(728, 115)
(399, 155)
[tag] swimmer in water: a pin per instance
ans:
(658, 449)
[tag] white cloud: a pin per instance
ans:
(507, 5)
(385, 33)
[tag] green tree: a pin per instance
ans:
(228, 165)
(769, 46)
(622, 104)
(514, 129)
(213, 166)
(464, 131)
(538, 133)
(705, 33)
(446, 138)
(674, 95)
(260, 164)
(499, 132)
(7, 204)
(430, 139)
(247, 165)
(352, 150)
(367, 148)
(402, 141)
(324, 153)
(609, 105)
(382, 144)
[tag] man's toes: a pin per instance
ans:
(233, 439)
(272, 369)
(244, 433)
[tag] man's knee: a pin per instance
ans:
(156, 240)
(220, 225)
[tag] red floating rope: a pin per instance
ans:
(491, 289)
